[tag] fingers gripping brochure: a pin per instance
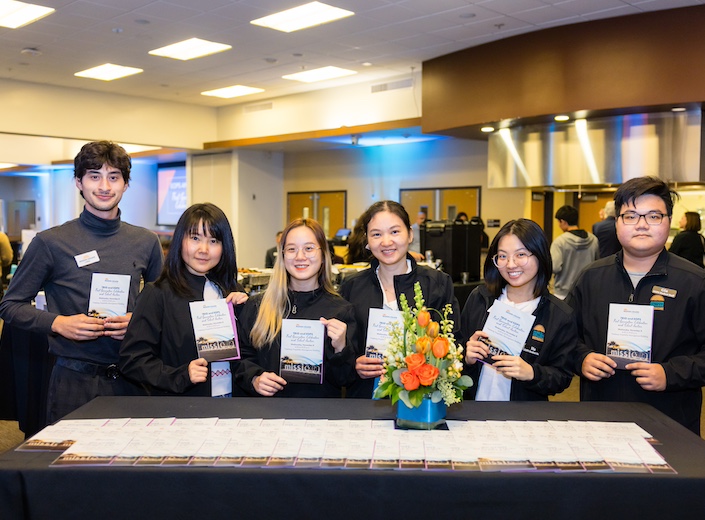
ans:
(215, 329)
(507, 329)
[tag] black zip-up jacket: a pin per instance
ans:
(364, 292)
(337, 371)
(678, 339)
(160, 343)
(547, 349)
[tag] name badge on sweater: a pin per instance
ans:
(663, 291)
(84, 259)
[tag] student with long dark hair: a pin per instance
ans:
(517, 272)
(159, 349)
(300, 288)
(393, 272)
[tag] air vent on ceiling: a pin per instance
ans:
(392, 85)
(258, 108)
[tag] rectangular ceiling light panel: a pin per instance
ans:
(190, 49)
(302, 17)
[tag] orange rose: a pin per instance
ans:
(423, 317)
(423, 344)
(427, 374)
(409, 380)
(414, 361)
(433, 329)
(440, 347)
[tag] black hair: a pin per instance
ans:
(98, 153)
(214, 222)
(385, 205)
(535, 241)
(632, 189)
(569, 214)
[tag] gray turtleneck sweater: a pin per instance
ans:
(49, 264)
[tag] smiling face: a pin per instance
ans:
(200, 251)
(388, 239)
(642, 239)
(303, 260)
(102, 190)
(517, 277)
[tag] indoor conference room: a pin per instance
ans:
(268, 258)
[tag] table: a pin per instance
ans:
(25, 369)
(29, 488)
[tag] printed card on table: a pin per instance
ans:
(302, 351)
(109, 294)
(379, 330)
(215, 329)
(507, 329)
(629, 333)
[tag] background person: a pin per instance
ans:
(606, 232)
(517, 272)
(571, 252)
(61, 260)
(159, 350)
(393, 271)
(300, 288)
(689, 243)
(644, 273)
(272, 253)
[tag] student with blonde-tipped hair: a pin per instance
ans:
(300, 288)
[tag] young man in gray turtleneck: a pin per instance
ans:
(62, 260)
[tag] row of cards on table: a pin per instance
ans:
(359, 444)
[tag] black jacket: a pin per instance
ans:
(364, 292)
(160, 343)
(606, 233)
(337, 368)
(547, 349)
(678, 339)
(689, 245)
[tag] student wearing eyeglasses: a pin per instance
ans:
(644, 274)
(300, 288)
(516, 272)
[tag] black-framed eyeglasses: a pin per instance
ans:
(521, 258)
(652, 218)
(309, 251)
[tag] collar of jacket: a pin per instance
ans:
(659, 268)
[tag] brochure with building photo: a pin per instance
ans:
(215, 329)
(507, 329)
(302, 346)
(379, 331)
(629, 333)
(109, 294)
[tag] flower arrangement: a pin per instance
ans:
(423, 360)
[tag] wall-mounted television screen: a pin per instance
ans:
(171, 193)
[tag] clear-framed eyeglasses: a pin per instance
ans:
(521, 258)
(309, 251)
(652, 218)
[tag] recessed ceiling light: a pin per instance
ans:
(190, 49)
(6, 165)
(108, 72)
(313, 75)
(487, 129)
(302, 17)
(678, 109)
(366, 64)
(16, 14)
(231, 92)
(561, 118)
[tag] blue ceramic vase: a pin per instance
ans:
(427, 416)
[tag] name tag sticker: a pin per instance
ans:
(663, 291)
(84, 259)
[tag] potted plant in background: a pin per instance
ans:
(423, 366)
